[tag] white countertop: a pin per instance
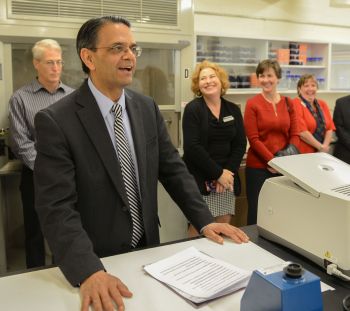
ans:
(48, 290)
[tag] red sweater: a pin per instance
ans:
(306, 121)
(267, 131)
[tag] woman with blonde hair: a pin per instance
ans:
(214, 141)
(314, 118)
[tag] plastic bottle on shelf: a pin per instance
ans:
(233, 81)
(321, 83)
(283, 81)
(310, 60)
(288, 80)
(294, 81)
(254, 83)
(318, 60)
(243, 81)
(297, 78)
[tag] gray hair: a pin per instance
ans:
(46, 44)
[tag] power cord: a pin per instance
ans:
(332, 269)
(346, 303)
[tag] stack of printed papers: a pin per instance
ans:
(197, 276)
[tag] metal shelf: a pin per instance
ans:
(282, 66)
(254, 91)
(304, 66)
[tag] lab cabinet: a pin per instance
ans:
(154, 76)
(329, 62)
(239, 219)
(340, 67)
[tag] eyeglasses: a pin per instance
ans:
(120, 48)
(52, 63)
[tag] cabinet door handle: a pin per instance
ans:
(168, 121)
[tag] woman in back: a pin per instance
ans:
(314, 118)
(214, 141)
(271, 126)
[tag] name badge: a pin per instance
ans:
(228, 118)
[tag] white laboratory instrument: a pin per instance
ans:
(308, 209)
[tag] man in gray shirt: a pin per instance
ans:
(45, 90)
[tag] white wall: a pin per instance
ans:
(5, 86)
(288, 20)
(312, 19)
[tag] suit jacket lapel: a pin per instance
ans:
(94, 124)
(136, 122)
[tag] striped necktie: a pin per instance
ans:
(129, 176)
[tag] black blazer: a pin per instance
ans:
(80, 195)
(196, 151)
(341, 118)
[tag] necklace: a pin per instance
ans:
(215, 109)
(275, 98)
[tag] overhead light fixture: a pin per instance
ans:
(340, 3)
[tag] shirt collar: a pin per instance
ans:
(37, 86)
(104, 103)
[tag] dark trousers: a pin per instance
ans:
(255, 178)
(34, 241)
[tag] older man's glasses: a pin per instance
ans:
(122, 49)
(52, 63)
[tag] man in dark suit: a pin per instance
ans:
(341, 119)
(82, 195)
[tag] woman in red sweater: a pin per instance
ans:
(314, 118)
(270, 124)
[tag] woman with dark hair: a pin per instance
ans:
(214, 141)
(314, 118)
(270, 125)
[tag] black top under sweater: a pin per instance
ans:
(211, 145)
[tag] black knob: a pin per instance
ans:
(294, 270)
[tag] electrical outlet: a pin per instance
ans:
(2, 147)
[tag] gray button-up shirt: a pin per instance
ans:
(23, 105)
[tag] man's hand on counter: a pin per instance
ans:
(214, 231)
(103, 291)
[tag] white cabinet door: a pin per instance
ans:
(173, 222)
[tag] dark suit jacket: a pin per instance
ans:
(341, 119)
(80, 195)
